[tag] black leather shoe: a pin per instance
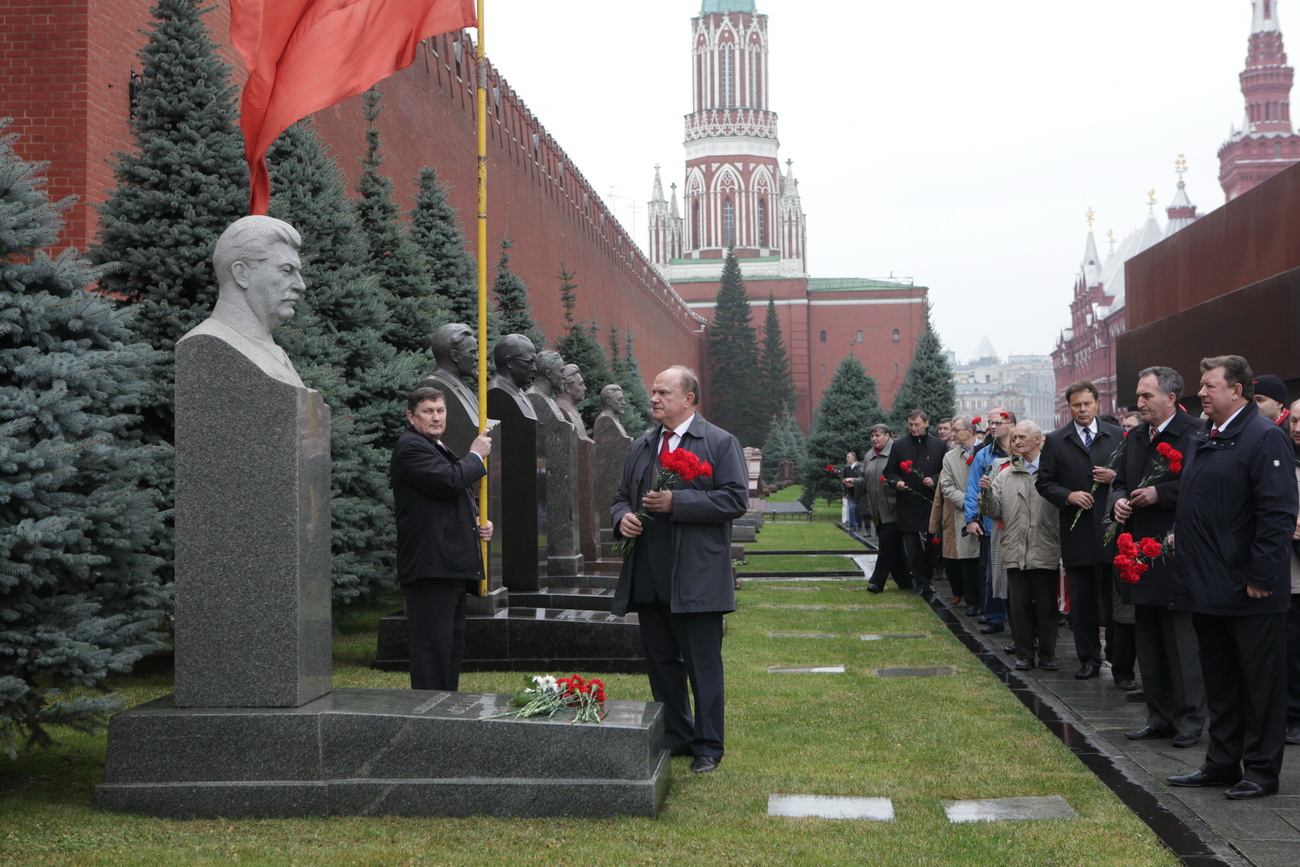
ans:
(1087, 670)
(1199, 779)
(972, 610)
(1186, 739)
(704, 764)
(1149, 733)
(872, 588)
(1024, 665)
(1137, 696)
(1010, 648)
(1248, 790)
(992, 629)
(1292, 735)
(1126, 684)
(1049, 664)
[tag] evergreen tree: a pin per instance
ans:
(416, 312)
(80, 596)
(438, 233)
(785, 442)
(178, 190)
(776, 381)
(927, 384)
(512, 302)
(735, 391)
(849, 407)
(336, 341)
(581, 347)
(625, 370)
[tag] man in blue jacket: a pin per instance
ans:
(1236, 512)
(678, 575)
(438, 550)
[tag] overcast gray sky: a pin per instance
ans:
(952, 142)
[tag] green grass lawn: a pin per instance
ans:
(798, 563)
(803, 536)
(822, 511)
(918, 741)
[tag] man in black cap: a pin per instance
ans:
(1272, 400)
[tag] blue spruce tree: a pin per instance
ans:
(80, 596)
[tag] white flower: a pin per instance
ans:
(546, 684)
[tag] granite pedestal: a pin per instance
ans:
(377, 752)
(518, 504)
(558, 440)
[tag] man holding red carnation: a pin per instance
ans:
(678, 575)
(1143, 498)
(1235, 517)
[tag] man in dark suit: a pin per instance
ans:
(678, 575)
(1235, 517)
(438, 550)
(1074, 478)
(917, 486)
(1143, 498)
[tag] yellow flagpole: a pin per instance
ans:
(480, 68)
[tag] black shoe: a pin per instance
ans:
(1137, 696)
(1292, 735)
(704, 764)
(1126, 684)
(872, 588)
(1186, 739)
(1048, 664)
(972, 610)
(992, 629)
(1248, 790)
(1010, 648)
(1199, 779)
(1149, 733)
(1087, 670)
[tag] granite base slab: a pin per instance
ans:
(531, 639)
(372, 752)
(593, 598)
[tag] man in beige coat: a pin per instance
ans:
(1031, 550)
(961, 552)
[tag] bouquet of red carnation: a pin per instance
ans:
(550, 695)
(906, 467)
(679, 465)
(1135, 558)
(1167, 460)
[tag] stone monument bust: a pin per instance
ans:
(570, 396)
(612, 402)
(455, 350)
(516, 361)
(259, 284)
(550, 379)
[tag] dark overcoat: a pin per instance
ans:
(1236, 512)
(703, 510)
(926, 454)
(1158, 586)
(437, 534)
(1065, 467)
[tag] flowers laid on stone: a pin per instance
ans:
(547, 696)
(679, 465)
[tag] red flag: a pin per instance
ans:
(305, 55)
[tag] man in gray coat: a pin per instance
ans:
(678, 575)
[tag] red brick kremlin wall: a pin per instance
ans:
(64, 77)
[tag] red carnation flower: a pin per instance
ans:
(882, 480)
(976, 420)
(1150, 548)
(905, 466)
(970, 458)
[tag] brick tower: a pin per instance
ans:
(1266, 142)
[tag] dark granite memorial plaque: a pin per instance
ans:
(518, 502)
(612, 446)
(252, 533)
(559, 441)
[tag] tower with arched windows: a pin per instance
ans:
(734, 193)
(1266, 142)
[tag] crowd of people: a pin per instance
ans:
(1165, 540)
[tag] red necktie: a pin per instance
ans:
(663, 451)
(1155, 432)
(1214, 433)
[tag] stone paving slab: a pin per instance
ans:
(805, 669)
(875, 636)
(831, 807)
(1009, 809)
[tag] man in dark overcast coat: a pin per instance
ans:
(917, 487)
(678, 576)
(1235, 517)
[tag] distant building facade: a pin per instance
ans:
(1023, 384)
(735, 194)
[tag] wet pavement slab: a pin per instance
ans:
(831, 807)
